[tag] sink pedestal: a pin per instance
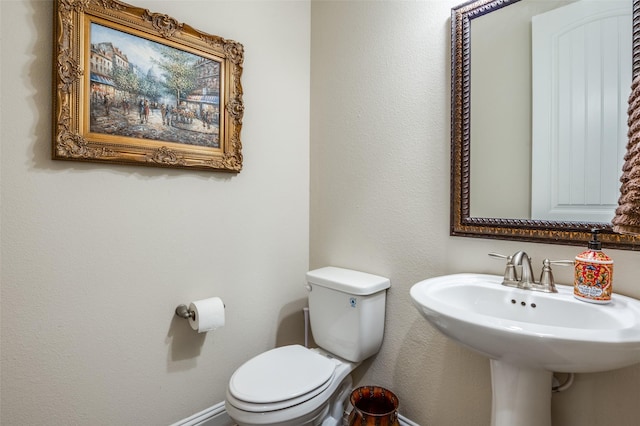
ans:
(527, 335)
(521, 395)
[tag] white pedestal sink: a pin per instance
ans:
(528, 335)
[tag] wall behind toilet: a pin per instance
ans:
(95, 258)
(380, 146)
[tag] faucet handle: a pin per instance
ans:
(498, 255)
(547, 283)
(564, 262)
(510, 278)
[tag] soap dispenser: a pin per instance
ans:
(593, 278)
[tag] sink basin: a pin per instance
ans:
(528, 335)
(553, 331)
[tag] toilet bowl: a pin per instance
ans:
(290, 386)
(297, 386)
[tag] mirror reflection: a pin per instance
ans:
(549, 87)
(494, 161)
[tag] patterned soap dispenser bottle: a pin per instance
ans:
(593, 280)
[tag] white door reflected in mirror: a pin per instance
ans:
(581, 81)
(504, 112)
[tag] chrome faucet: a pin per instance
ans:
(525, 280)
(522, 260)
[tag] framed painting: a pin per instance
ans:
(136, 87)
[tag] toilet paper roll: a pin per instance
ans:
(209, 314)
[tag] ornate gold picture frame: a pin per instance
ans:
(136, 87)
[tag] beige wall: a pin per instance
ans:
(95, 258)
(380, 203)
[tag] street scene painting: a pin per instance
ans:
(136, 87)
(143, 89)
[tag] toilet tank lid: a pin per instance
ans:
(348, 281)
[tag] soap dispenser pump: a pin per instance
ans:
(593, 279)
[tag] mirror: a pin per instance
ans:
(491, 185)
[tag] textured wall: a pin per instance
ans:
(95, 258)
(380, 203)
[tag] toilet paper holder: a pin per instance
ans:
(183, 312)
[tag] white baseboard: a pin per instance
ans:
(405, 421)
(212, 416)
(217, 416)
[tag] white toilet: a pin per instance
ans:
(294, 385)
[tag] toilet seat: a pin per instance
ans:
(281, 378)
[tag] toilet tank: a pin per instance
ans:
(346, 311)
